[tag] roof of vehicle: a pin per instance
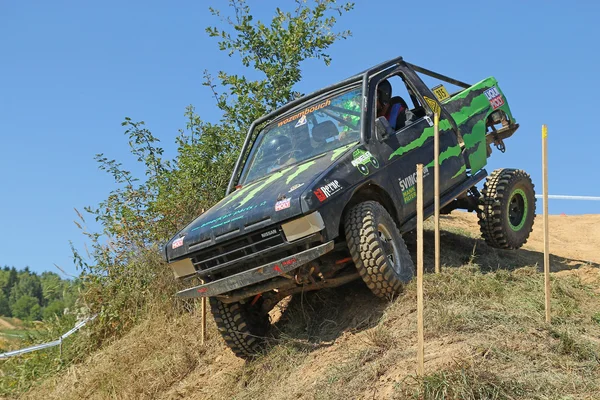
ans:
(361, 76)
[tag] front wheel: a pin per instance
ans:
(377, 248)
(508, 209)
(243, 326)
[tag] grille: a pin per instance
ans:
(229, 254)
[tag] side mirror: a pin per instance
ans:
(383, 128)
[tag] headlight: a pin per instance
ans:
(303, 226)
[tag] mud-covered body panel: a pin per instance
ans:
(470, 110)
(257, 205)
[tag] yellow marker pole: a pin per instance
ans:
(546, 230)
(421, 342)
(436, 183)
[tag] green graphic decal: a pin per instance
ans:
(339, 151)
(301, 169)
(475, 143)
(486, 83)
(460, 171)
(453, 151)
(238, 193)
(263, 184)
(361, 159)
(225, 219)
(252, 189)
(471, 121)
(471, 140)
(418, 142)
(477, 105)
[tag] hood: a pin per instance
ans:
(270, 200)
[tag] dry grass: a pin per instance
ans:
(485, 339)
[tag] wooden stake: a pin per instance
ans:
(203, 320)
(546, 231)
(436, 193)
(420, 345)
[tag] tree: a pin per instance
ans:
(52, 287)
(4, 307)
(144, 212)
(28, 284)
(174, 192)
(54, 308)
(23, 307)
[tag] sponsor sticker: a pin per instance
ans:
(435, 107)
(408, 186)
(177, 243)
(494, 96)
(440, 92)
(304, 112)
(295, 187)
(282, 204)
(229, 217)
(325, 192)
(301, 121)
(361, 159)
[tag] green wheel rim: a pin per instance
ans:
(517, 209)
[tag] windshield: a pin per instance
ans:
(317, 128)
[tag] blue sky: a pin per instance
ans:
(70, 71)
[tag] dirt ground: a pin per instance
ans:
(574, 242)
(571, 236)
(484, 333)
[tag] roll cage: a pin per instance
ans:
(372, 75)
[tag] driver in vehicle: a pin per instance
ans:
(394, 109)
(279, 151)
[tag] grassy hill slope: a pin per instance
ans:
(485, 335)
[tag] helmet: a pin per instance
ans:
(384, 91)
(277, 146)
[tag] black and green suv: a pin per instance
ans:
(324, 189)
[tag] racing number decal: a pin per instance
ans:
(440, 92)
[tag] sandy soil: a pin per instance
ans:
(574, 243)
(571, 236)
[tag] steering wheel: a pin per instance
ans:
(287, 156)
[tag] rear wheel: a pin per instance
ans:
(508, 209)
(377, 248)
(242, 325)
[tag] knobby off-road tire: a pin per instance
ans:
(242, 325)
(377, 248)
(508, 208)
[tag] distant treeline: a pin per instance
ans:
(32, 297)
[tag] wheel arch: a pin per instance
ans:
(366, 192)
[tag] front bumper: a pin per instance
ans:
(258, 274)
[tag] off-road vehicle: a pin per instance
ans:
(324, 189)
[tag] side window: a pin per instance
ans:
(403, 108)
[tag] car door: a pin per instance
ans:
(452, 163)
(413, 144)
(402, 151)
